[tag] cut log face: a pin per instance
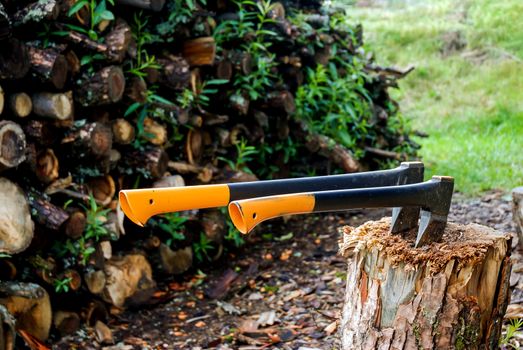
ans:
(21, 104)
(56, 106)
(30, 305)
(123, 131)
(447, 295)
(104, 87)
(47, 166)
(175, 262)
(200, 52)
(128, 280)
(12, 145)
(16, 226)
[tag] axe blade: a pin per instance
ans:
(406, 218)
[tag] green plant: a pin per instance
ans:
(98, 12)
(512, 328)
(62, 285)
(4, 255)
(244, 155)
(142, 37)
(336, 106)
(200, 98)
(202, 247)
(180, 12)
(95, 218)
(173, 224)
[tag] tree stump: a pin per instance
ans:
(448, 295)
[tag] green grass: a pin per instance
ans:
(469, 101)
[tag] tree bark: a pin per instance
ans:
(517, 212)
(152, 159)
(49, 65)
(36, 12)
(21, 104)
(14, 59)
(105, 87)
(118, 41)
(47, 214)
(30, 305)
(94, 139)
(154, 5)
(50, 105)
(12, 145)
(448, 295)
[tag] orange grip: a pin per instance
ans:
(246, 214)
(140, 205)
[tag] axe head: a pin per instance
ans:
(434, 213)
(406, 218)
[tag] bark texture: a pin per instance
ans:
(449, 295)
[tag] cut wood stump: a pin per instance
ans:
(448, 295)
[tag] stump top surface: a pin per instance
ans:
(467, 244)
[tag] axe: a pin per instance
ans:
(140, 204)
(433, 196)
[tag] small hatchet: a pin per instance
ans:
(433, 196)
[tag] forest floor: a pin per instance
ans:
(283, 291)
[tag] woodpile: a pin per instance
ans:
(142, 93)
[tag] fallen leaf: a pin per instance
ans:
(331, 328)
(182, 315)
(286, 254)
(248, 326)
(200, 324)
(267, 318)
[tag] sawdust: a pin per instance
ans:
(467, 244)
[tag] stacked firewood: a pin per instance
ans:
(101, 95)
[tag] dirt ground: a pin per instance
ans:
(284, 290)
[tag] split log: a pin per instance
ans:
(93, 138)
(175, 262)
(123, 131)
(105, 87)
(12, 145)
(66, 322)
(20, 104)
(154, 5)
(152, 159)
(174, 73)
(102, 188)
(517, 212)
(74, 226)
(47, 166)
(30, 305)
(194, 146)
(118, 41)
(338, 154)
(95, 281)
(154, 132)
(200, 51)
(448, 295)
(47, 214)
(52, 105)
(1, 100)
(14, 59)
(49, 66)
(136, 89)
(128, 280)
(36, 12)
(7, 330)
(41, 132)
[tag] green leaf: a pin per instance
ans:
(77, 7)
(132, 108)
(85, 60)
(107, 15)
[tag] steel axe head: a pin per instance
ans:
(435, 211)
(406, 218)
